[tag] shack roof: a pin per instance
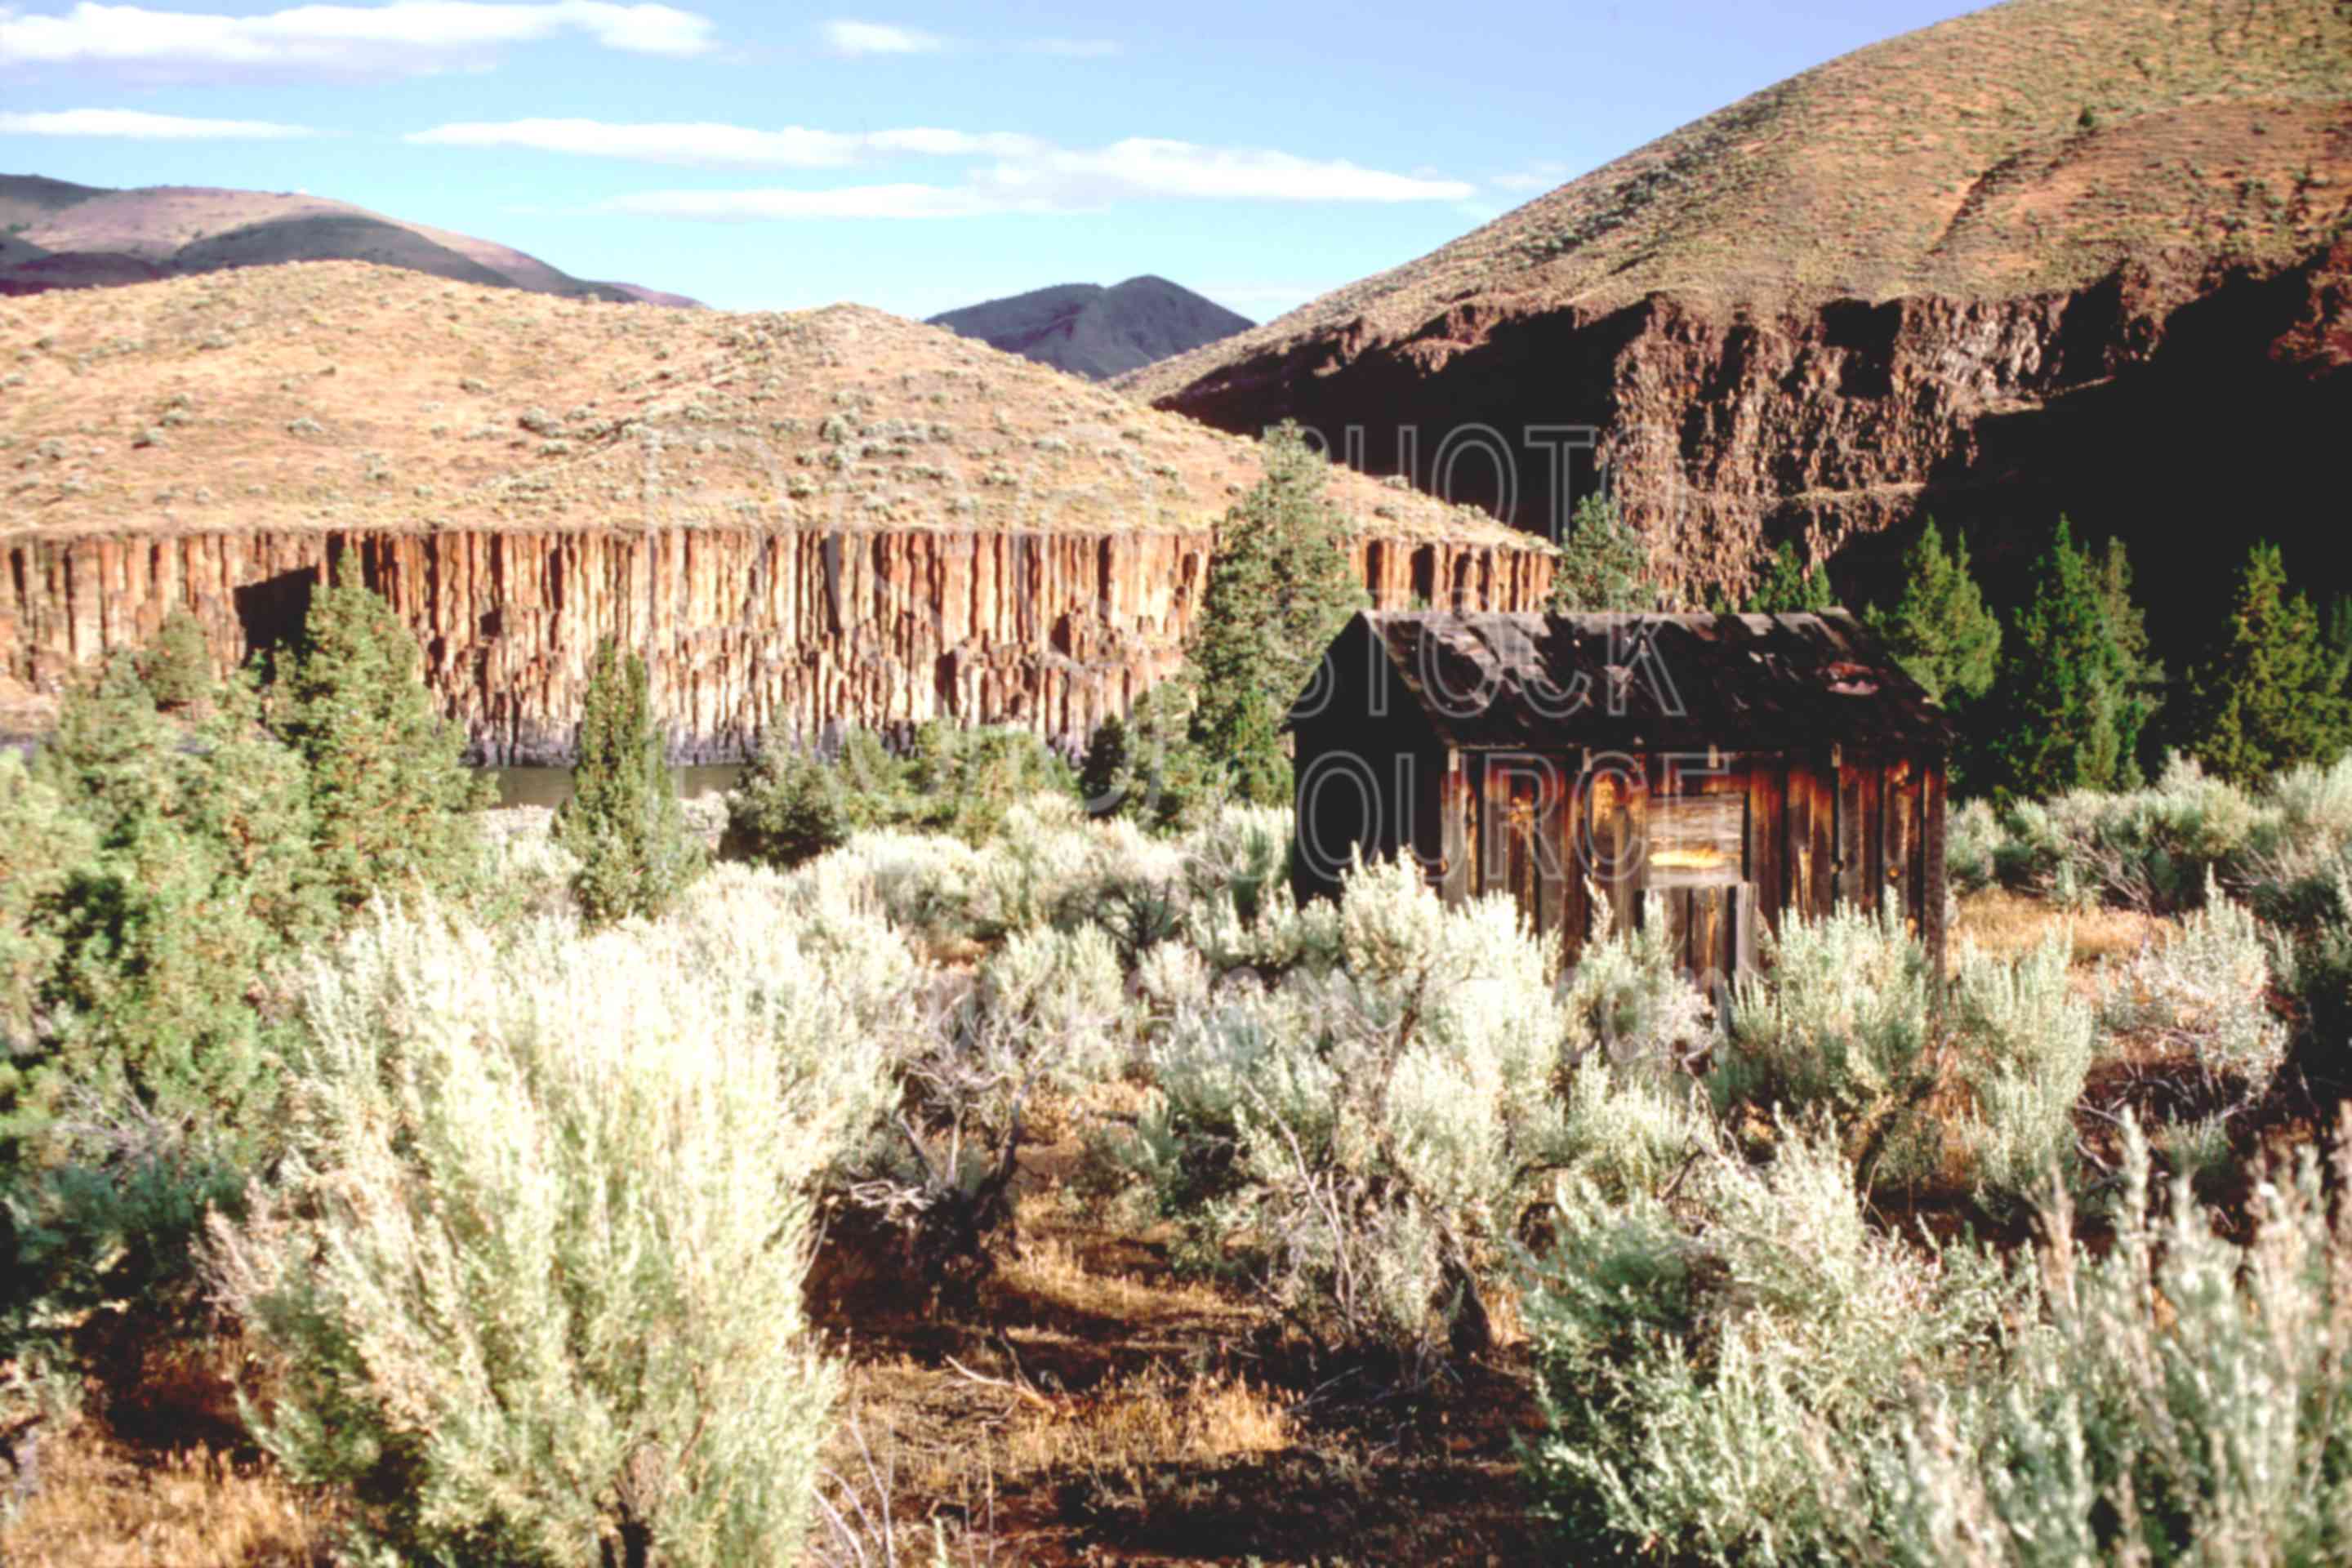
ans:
(1624, 681)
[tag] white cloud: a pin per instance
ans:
(708, 146)
(1148, 167)
(132, 124)
(1021, 174)
(403, 35)
(845, 202)
(717, 146)
(848, 38)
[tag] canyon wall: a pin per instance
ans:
(745, 632)
(2184, 404)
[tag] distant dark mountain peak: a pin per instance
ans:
(1094, 331)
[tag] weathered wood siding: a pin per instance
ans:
(1720, 848)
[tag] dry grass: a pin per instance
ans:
(1954, 160)
(2006, 924)
(340, 394)
(101, 1505)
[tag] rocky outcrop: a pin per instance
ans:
(746, 633)
(2184, 405)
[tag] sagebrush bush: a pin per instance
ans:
(1972, 841)
(529, 1278)
(2027, 1043)
(1630, 992)
(2206, 993)
(1761, 1375)
(1704, 1367)
(2151, 848)
(1358, 1139)
(2183, 1400)
(1839, 1022)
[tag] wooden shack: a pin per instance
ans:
(1737, 767)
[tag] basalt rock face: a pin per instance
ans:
(746, 633)
(2185, 406)
(2084, 256)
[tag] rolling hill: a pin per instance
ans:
(341, 393)
(1094, 331)
(62, 235)
(1974, 271)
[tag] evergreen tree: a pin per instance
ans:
(1106, 774)
(1601, 564)
(788, 807)
(178, 665)
(1939, 630)
(1279, 588)
(147, 947)
(2062, 715)
(392, 798)
(2268, 692)
(1146, 767)
(1790, 587)
(2336, 645)
(2143, 673)
(624, 822)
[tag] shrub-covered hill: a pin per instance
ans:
(342, 394)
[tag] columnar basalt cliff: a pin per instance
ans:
(746, 633)
(801, 520)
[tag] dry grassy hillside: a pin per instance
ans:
(338, 394)
(2026, 147)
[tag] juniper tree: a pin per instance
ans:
(2062, 714)
(392, 799)
(1791, 586)
(623, 821)
(1106, 774)
(171, 865)
(1601, 562)
(178, 665)
(2143, 673)
(2268, 692)
(1279, 588)
(788, 807)
(1939, 630)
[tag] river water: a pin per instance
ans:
(550, 788)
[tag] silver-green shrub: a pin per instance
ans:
(2205, 993)
(1356, 1138)
(1972, 841)
(1839, 1022)
(2027, 1043)
(529, 1278)
(1705, 1366)
(2185, 1399)
(2151, 847)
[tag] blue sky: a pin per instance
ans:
(916, 157)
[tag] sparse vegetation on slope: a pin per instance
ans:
(2027, 146)
(345, 396)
